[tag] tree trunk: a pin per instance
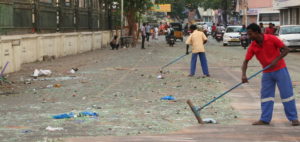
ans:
(132, 29)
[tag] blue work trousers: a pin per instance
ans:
(282, 79)
(203, 63)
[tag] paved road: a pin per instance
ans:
(225, 65)
(122, 87)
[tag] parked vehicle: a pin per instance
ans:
(290, 35)
(244, 40)
(232, 35)
(269, 17)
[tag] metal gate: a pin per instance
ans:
(16, 16)
(46, 17)
(94, 15)
(67, 15)
(105, 14)
(6, 20)
(101, 14)
(82, 14)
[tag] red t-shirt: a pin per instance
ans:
(270, 31)
(213, 28)
(266, 53)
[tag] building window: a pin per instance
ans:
(67, 2)
(269, 17)
(285, 16)
(46, 1)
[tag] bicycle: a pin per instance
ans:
(126, 41)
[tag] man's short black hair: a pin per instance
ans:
(254, 27)
(193, 27)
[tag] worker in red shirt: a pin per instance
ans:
(271, 29)
(269, 50)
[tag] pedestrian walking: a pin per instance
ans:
(143, 33)
(148, 32)
(269, 50)
(156, 33)
(152, 33)
(197, 39)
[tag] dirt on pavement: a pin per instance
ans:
(121, 86)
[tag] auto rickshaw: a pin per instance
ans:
(177, 30)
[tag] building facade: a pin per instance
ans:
(249, 9)
(289, 11)
(206, 15)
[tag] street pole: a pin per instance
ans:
(122, 16)
(245, 17)
(225, 13)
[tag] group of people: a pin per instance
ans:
(270, 52)
(148, 31)
(269, 30)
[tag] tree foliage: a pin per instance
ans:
(179, 6)
(133, 7)
(131, 10)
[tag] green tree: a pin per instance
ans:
(179, 6)
(193, 4)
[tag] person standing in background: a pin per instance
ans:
(148, 31)
(197, 39)
(270, 30)
(262, 28)
(143, 33)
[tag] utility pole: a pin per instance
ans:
(225, 13)
(122, 16)
(245, 17)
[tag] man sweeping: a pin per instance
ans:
(269, 50)
(197, 39)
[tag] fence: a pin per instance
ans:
(47, 16)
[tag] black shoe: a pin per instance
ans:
(295, 123)
(260, 122)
